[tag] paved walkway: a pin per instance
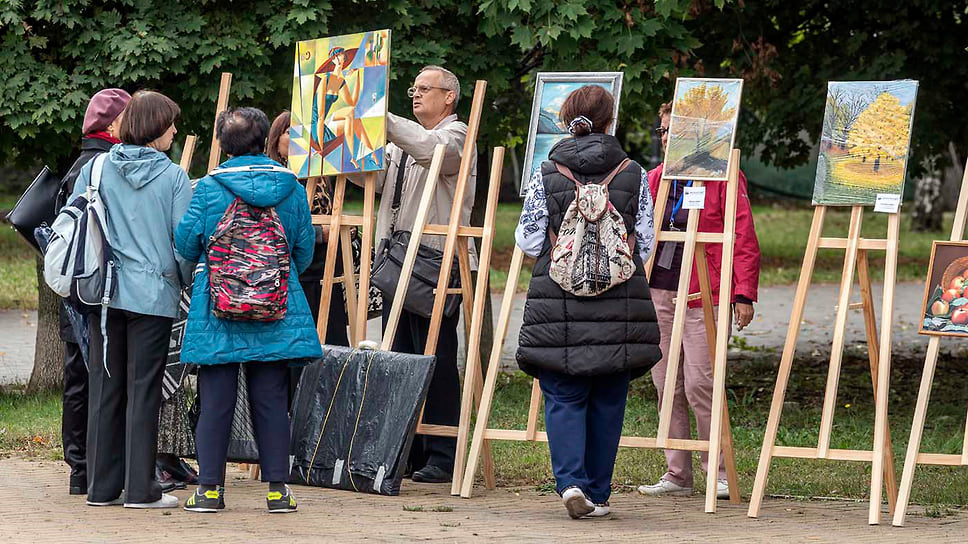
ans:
(38, 509)
(768, 331)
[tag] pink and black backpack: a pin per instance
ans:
(248, 261)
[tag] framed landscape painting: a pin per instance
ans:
(702, 128)
(865, 140)
(546, 129)
(339, 105)
(945, 307)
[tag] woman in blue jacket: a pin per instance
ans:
(145, 195)
(267, 348)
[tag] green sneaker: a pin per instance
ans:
(208, 501)
(281, 503)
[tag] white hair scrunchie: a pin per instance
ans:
(580, 120)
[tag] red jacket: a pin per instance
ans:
(746, 251)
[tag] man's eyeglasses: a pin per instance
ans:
(661, 131)
(423, 89)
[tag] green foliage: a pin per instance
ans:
(788, 51)
(55, 54)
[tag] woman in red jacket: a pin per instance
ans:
(695, 383)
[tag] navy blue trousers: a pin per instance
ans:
(583, 416)
(268, 385)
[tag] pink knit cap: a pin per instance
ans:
(104, 107)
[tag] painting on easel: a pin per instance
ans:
(945, 308)
(550, 92)
(702, 128)
(339, 105)
(865, 140)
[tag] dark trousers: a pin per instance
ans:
(584, 415)
(218, 391)
(74, 419)
(443, 397)
(336, 328)
(122, 428)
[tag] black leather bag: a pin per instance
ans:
(388, 265)
(423, 281)
(37, 206)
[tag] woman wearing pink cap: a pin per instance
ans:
(102, 123)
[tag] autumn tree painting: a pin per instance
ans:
(864, 142)
(702, 128)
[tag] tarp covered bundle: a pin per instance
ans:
(354, 418)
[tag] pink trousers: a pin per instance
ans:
(694, 385)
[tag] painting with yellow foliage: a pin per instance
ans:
(865, 140)
(702, 128)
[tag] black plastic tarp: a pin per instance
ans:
(354, 418)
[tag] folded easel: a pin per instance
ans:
(879, 356)
(914, 455)
(718, 339)
(455, 244)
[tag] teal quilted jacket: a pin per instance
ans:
(211, 340)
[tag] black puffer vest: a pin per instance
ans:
(613, 332)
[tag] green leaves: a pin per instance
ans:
(56, 53)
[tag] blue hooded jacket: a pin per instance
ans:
(212, 340)
(145, 195)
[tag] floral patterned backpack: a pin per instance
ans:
(592, 251)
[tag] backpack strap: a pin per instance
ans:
(251, 168)
(565, 171)
(97, 169)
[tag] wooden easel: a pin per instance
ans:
(914, 455)
(717, 341)
(455, 244)
(879, 355)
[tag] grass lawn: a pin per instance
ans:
(29, 425)
(782, 233)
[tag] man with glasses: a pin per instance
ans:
(435, 93)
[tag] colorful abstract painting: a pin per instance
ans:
(546, 129)
(339, 105)
(865, 140)
(945, 307)
(702, 128)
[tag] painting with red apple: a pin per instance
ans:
(946, 293)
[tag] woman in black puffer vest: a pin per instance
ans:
(585, 350)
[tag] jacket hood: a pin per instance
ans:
(589, 155)
(259, 189)
(139, 165)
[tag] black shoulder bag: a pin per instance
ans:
(37, 206)
(388, 265)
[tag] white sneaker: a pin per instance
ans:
(722, 489)
(575, 502)
(166, 501)
(600, 511)
(116, 502)
(665, 487)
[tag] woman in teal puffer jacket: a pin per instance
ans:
(267, 348)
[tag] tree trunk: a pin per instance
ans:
(928, 205)
(48, 374)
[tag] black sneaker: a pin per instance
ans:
(78, 485)
(208, 501)
(281, 503)
(431, 474)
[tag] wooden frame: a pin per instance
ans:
(455, 244)
(720, 437)
(914, 455)
(879, 356)
(928, 288)
(612, 79)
